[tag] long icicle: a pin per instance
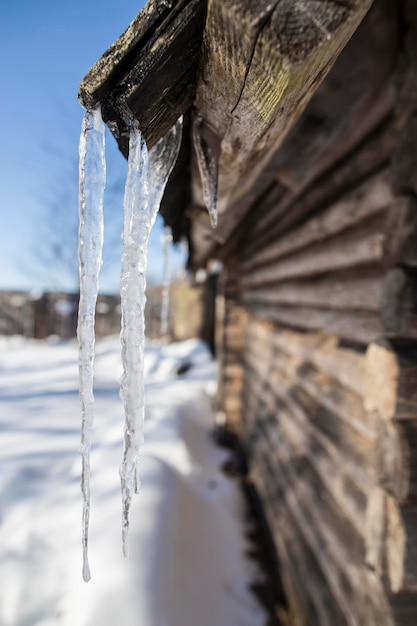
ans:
(92, 180)
(145, 185)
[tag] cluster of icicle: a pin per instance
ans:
(146, 180)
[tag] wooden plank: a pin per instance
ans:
(330, 428)
(306, 603)
(150, 71)
(342, 116)
(351, 250)
(306, 585)
(304, 360)
(399, 303)
(390, 540)
(391, 380)
(368, 604)
(343, 574)
(345, 366)
(260, 62)
(396, 459)
(370, 157)
(401, 228)
(283, 401)
(359, 328)
(349, 293)
(369, 199)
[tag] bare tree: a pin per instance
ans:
(54, 254)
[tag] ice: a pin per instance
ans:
(92, 180)
(146, 180)
(166, 243)
(206, 149)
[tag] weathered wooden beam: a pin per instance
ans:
(260, 64)
(349, 293)
(281, 212)
(358, 327)
(274, 55)
(350, 250)
(345, 366)
(150, 71)
(391, 380)
(353, 209)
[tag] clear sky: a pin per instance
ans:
(46, 47)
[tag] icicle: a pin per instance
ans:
(145, 186)
(92, 180)
(166, 242)
(207, 150)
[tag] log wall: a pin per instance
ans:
(319, 353)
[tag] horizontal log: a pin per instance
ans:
(342, 253)
(391, 546)
(347, 484)
(310, 603)
(318, 606)
(401, 229)
(286, 212)
(334, 123)
(345, 577)
(370, 199)
(304, 361)
(391, 380)
(360, 291)
(399, 303)
(257, 74)
(357, 449)
(401, 547)
(368, 604)
(396, 459)
(343, 365)
(360, 328)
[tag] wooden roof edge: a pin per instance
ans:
(343, 111)
(254, 80)
(148, 72)
(118, 58)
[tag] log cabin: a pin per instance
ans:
(305, 112)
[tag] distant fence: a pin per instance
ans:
(40, 315)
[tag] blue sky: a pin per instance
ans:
(46, 47)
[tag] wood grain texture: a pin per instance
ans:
(260, 64)
(150, 71)
(345, 113)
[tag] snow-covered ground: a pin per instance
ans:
(186, 565)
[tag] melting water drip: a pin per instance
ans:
(146, 181)
(92, 180)
(166, 242)
(145, 184)
(207, 149)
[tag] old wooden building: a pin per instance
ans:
(306, 114)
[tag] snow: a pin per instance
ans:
(186, 564)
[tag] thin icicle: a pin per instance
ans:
(207, 151)
(145, 184)
(166, 243)
(92, 180)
